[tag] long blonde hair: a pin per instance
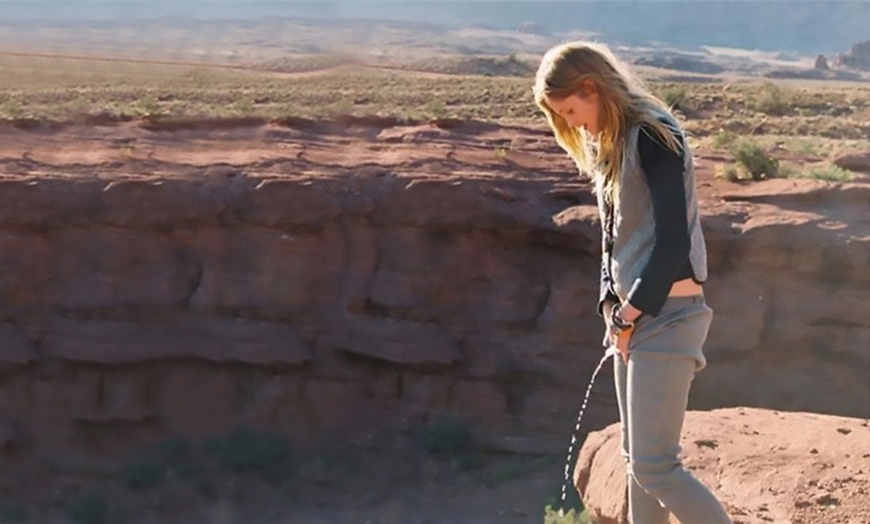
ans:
(625, 102)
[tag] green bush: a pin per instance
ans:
(830, 173)
(243, 106)
(148, 106)
(724, 139)
(729, 173)
(552, 516)
(11, 109)
(435, 109)
(772, 100)
(752, 159)
(675, 96)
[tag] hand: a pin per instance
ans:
(621, 341)
(614, 336)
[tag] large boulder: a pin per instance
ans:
(765, 466)
(854, 161)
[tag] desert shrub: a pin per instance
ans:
(11, 109)
(724, 139)
(552, 516)
(675, 96)
(148, 106)
(435, 109)
(830, 173)
(753, 160)
(729, 173)
(243, 106)
(772, 100)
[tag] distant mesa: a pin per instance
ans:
(474, 65)
(814, 74)
(306, 63)
(858, 56)
(680, 62)
(845, 67)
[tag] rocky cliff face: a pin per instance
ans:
(315, 278)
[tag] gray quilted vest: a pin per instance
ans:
(634, 227)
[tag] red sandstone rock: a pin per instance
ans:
(396, 341)
(156, 201)
(211, 339)
(196, 401)
(377, 267)
(279, 272)
(858, 161)
(94, 268)
(277, 202)
(48, 200)
(15, 349)
(765, 466)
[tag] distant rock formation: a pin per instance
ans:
(813, 74)
(858, 57)
(680, 62)
(822, 63)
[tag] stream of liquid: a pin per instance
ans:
(611, 351)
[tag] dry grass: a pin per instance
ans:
(840, 111)
(814, 119)
(55, 88)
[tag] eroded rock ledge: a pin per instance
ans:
(330, 276)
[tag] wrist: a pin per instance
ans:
(617, 320)
(629, 313)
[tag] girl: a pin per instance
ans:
(653, 264)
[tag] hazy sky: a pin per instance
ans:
(809, 26)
